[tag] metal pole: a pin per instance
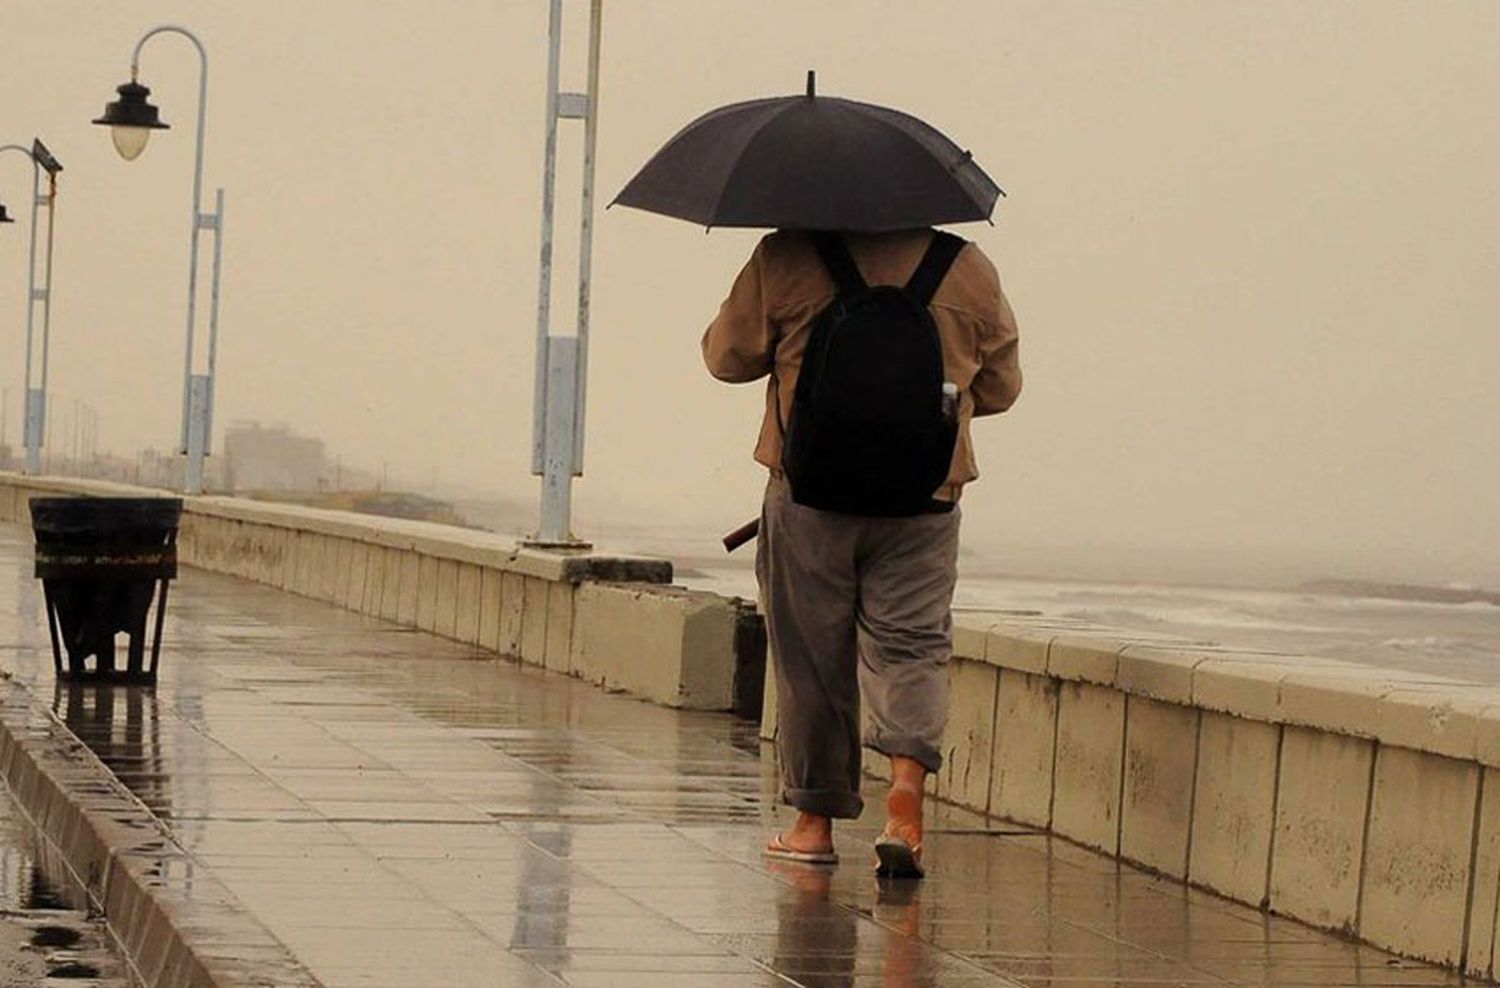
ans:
(544, 286)
(29, 425)
(201, 220)
(586, 233)
(213, 322)
(41, 431)
(36, 399)
(557, 473)
(47, 402)
(197, 398)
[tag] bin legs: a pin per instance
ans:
(57, 662)
(85, 616)
(161, 615)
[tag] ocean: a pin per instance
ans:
(1460, 640)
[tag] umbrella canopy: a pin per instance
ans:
(812, 163)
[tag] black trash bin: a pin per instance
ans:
(101, 561)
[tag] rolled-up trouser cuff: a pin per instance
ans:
(835, 803)
(921, 751)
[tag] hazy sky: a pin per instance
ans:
(1252, 248)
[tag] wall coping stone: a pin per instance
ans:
(428, 538)
(1405, 708)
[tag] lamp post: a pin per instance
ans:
(561, 375)
(131, 119)
(34, 417)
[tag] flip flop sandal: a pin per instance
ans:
(897, 858)
(780, 851)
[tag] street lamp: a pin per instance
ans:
(34, 419)
(131, 119)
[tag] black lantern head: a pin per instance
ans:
(131, 119)
(44, 157)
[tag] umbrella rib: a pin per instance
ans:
(740, 161)
(965, 157)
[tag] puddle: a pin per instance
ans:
(47, 936)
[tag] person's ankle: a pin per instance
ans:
(904, 803)
(810, 832)
(812, 823)
(907, 773)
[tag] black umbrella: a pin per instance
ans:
(812, 163)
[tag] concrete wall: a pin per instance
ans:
(610, 619)
(1353, 798)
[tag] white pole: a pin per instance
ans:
(36, 400)
(197, 395)
(30, 420)
(46, 295)
(544, 286)
(586, 233)
(557, 472)
(213, 321)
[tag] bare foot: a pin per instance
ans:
(904, 804)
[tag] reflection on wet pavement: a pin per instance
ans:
(401, 810)
(46, 934)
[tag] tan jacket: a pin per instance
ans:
(784, 286)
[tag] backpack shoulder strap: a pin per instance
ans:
(839, 262)
(933, 267)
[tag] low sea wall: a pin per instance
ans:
(1357, 799)
(610, 619)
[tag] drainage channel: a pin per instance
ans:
(47, 937)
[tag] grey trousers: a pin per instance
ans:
(854, 605)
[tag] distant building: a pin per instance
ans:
(262, 459)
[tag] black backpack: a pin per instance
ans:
(869, 434)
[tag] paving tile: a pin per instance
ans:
(429, 957)
(599, 961)
(673, 979)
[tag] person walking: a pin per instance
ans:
(880, 341)
(858, 538)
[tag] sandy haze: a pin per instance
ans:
(1252, 248)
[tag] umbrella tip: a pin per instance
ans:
(812, 83)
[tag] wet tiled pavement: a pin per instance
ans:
(402, 810)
